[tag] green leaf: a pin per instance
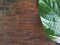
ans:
(49, 12)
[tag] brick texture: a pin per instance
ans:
(20, 23)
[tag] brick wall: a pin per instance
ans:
(20, 23)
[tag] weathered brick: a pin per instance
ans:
(20, 23)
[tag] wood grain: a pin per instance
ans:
(20, 23)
